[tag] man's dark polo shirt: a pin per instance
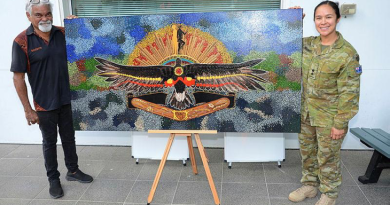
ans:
(46, 67)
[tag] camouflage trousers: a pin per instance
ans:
(320, 158)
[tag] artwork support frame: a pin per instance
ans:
(202, 152)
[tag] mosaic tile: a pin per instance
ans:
(225, 71)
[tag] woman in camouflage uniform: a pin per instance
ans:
(330, 98)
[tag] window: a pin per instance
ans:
(99, 8)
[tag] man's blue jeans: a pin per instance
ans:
(48, 123)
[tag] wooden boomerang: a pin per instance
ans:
(181, 115)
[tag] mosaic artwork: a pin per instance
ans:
(226, 71)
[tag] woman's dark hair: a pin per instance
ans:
(334, 5)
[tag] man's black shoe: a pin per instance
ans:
(79, 176)
(55, 189)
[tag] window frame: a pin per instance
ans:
(66, 7)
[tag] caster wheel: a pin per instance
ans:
(280, 166)
(230, 167)
(185, 164)
(132, 157)
(136, 162)
(225, 160)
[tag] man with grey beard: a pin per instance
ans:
(40, 51)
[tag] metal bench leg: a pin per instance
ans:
(377, 163)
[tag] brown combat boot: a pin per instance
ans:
(325, 200)
(303, 193)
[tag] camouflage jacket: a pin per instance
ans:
(331, 82)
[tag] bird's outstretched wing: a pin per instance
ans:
(138, 79)
(227, 77)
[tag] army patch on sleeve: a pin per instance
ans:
(358, 69)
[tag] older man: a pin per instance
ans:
(40, 51)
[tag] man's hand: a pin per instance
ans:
(71, 17)
(336, 133)
(21, 89)
(32, 117)
(298, 7)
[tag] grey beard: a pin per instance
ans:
(45, 29)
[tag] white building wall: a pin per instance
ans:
(13, 126)
(366, 31)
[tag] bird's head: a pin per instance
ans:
(179, 77)
(178, 62)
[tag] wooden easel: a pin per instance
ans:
(188, 134)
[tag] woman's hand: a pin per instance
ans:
(71, 17)
(336, 133)
(298, 7)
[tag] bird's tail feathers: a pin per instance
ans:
(180, 101)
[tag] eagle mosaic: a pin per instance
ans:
(229, 71)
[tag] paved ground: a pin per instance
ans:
(119, 180)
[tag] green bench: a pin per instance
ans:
(379, 140)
